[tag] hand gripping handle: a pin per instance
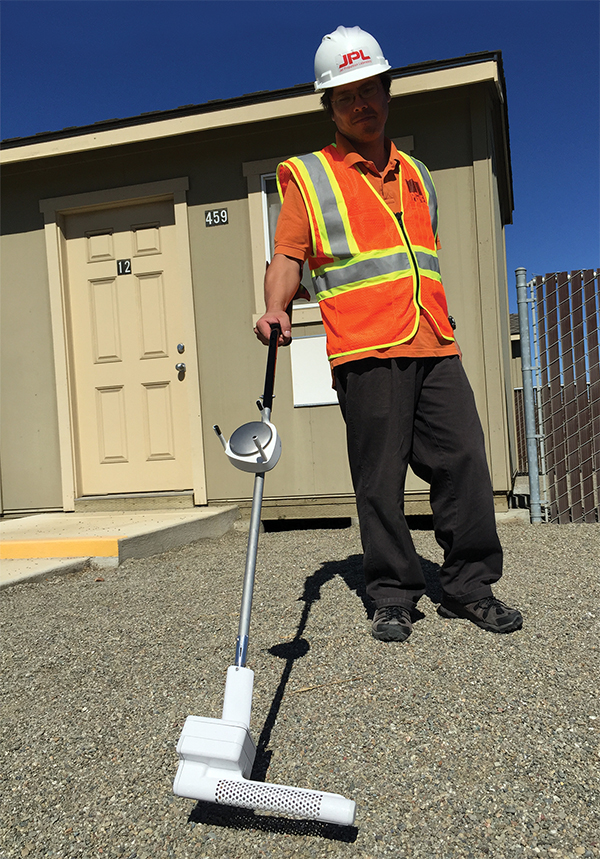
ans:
(267, 399)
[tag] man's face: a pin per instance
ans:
(360, 109)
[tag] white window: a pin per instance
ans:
(263, 210)
(271, 209)
(311, 374)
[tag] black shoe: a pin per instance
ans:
(488, 613)
(392, 623)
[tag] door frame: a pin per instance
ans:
(55, 210)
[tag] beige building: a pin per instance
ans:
(133, 247)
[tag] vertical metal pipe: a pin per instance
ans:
(526, 368)
(537, 387)
(241, 645)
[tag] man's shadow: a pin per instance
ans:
(351, 572)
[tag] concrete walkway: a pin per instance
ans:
(34, 547)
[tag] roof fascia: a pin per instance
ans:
(428, 80)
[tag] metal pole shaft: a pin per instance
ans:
(528, 402)
(241, 645)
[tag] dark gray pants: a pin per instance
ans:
(419, 412)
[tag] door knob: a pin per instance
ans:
(180, 368)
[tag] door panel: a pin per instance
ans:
(131, 410)
(151, 316)
(104, 321)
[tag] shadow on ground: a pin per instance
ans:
(350, 570)
(244, 818)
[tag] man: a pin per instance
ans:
(365, 217)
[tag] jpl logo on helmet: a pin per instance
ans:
(353, 55)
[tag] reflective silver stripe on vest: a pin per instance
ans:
(433, 206)
(362, 270)
(427, 262)
(329, 206)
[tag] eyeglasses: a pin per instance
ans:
(347, 99)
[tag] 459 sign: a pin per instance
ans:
(216, 217)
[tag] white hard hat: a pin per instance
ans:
(347, 55)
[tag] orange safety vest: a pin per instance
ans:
(374, 271)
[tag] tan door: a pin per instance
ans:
(131, 414)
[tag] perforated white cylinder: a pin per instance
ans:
(296, 801)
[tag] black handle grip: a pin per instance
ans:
(271, 362)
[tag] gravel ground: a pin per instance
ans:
(457, 743)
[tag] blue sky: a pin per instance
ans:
(75, 62)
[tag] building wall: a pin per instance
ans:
(30, 468)
(451, 136)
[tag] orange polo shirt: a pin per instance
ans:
(292, 238)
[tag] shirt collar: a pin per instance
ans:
(351, 156)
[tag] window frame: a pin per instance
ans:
(256, 173)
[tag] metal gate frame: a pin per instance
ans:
(563, 377)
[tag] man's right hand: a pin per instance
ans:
(263, 327)
(282, 280)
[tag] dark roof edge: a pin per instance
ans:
(241, 101)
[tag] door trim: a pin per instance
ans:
(54, 210)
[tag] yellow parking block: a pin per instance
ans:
(74, 547)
